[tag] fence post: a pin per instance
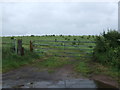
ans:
(31, 46)
(20, 49)
(13, 44)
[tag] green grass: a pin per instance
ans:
(98, 68)
(87, 68)
(12, 61)
(83, 65)
(26, 39)
(52, 62)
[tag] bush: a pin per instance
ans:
(12, 37)
(107, 50)
(32, 35)
(75, 39)
(82, 36)
(65, 38)
(55, 40)
(112, 38)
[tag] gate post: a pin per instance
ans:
(31, 46)
(13, 46)
(20, 49)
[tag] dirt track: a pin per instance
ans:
(64, 77)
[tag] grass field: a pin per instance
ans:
(45, 55)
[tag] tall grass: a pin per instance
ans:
(11, 60)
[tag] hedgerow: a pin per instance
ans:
(107, 50)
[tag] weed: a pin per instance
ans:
(11, 60)
(82, 67)
(53, 62)
(51, 71)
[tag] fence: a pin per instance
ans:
(56, 48)
(63, 48)
(15, 46)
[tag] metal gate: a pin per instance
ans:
(64, 48)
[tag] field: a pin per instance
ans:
(48, 49)
(52, 52)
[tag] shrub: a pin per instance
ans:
(12, 37)
(74, 39)
(82, 36)
(65, 38)
(89, 36)
(68, 39)
(32, 35)
(107, 50)
(73, 43)
(55, 40)
(112, 38)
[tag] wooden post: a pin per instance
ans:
(19, 48)
(13, 45)
(31, 46)
(22, 51)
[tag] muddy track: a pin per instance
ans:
(29, 75)
(32, 77)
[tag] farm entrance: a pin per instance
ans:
(55, 72)
(76, 49)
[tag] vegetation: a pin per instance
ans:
(82, 67)
(106, 55)
(52, 62)
(11, 60)
(107, 50)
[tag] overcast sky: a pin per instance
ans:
(59, 18)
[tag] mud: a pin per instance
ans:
(106, 80)
(33, 77)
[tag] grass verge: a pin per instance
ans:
(52, 62)
(12, 61)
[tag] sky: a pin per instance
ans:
(119, 16)
(73, 18)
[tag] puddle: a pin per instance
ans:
(73, 83)
(30, 77)
(70, 83)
